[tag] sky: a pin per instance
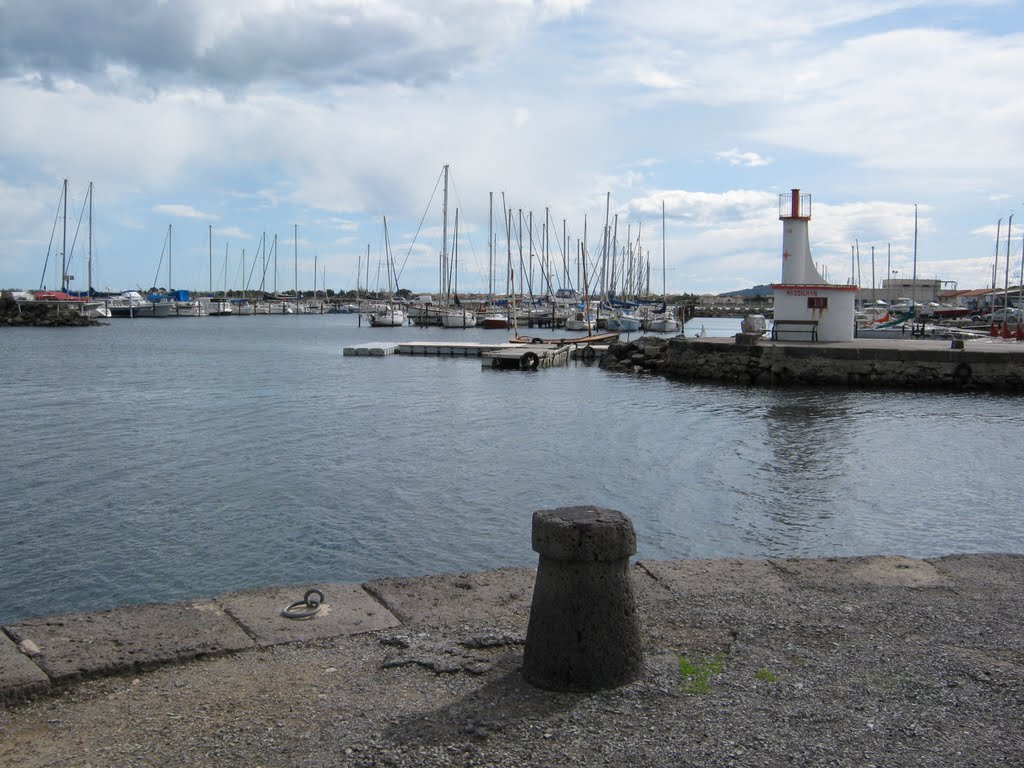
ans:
(249, 143)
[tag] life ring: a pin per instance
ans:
(529, 361)
(588, 354)
(962, 375)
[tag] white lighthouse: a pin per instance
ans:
(806, 307)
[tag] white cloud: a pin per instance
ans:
(914, 100)
(748, 159)
(182, 212)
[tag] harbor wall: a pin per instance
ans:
(899, 364)
(914, 365)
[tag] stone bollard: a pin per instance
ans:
(584, 631)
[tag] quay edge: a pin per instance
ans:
(839, 662)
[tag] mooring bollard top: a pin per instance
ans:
(583, 534)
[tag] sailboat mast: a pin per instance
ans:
(888, 271)
(296, 245)
(490, 246)
(170, 285)
(913, 286)
(210, 234)
(445, 286)
(89, 268)
(455, 257)
(1006, 279)
(565, 253)
(510, 272)
(995, 264)
(64, 245)
(872, 274)
(664, 288)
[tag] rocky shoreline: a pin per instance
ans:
(49, 314)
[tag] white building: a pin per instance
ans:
(806, 307)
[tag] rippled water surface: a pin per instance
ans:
(156, 460)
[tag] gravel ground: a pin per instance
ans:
(830, 669)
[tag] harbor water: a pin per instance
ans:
(164, 459)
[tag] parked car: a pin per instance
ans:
(1013, 314)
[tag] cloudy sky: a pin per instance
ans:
(231, 124)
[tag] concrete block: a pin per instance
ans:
(347, 609)
(135, 638)
(492, 596)
(19, 676)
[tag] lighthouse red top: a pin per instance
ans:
(795, 206)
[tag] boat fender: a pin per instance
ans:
(529, 361)
(588, 354)
(962, 375)
(537, 341)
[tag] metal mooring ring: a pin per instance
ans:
(311, 602)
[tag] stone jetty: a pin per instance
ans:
(971, 365)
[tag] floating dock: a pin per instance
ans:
(449, 348)
(526, 357)
(371, 349)
(508, 355)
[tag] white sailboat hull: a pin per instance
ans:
(459, 319)
(390, 318)
(665, 324)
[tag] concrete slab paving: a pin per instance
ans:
(875, 673)
(697, 606)
(19, 676)
(840, 573)
(502, 595)
(689, 577)
(982, 571)
(75, 646)
(347, 609)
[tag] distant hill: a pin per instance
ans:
(757, 290)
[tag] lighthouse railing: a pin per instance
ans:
(793, 205)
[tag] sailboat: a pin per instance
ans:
(494, 318)
(581, 318)
(390, 315)
(664, 321)
(457, 315)
(92, 308)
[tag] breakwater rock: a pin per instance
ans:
(644, 355)
(41, 313)
(875, 363)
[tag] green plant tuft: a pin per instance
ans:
(767, 675)
(696, 675)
